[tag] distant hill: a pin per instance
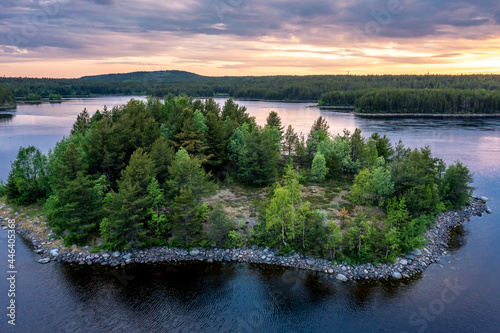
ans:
(172, 76)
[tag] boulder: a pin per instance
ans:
(44, 261)
(341, 277)
(194, 252)
(403, 262)
(416, 252)
(54, 252)
(483, 199)
(310, 262)
(489, 211)
(116, 254)
(226, 259)
(396, 275)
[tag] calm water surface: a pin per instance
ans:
(248, 298)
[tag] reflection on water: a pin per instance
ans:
(253, 298)
(6, 117)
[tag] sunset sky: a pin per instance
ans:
(73, 38)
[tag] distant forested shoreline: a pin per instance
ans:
(402, 94)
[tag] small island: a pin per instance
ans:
(7, 99)
(186, 179)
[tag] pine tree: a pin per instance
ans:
(290, 141)
(125, 226)
(186, 171)
(273, 120)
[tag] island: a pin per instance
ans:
(7, 99)
(189, 180)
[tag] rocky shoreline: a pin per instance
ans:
(412, 263)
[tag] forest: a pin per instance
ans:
(152, 174)
(7, 99)
(367, 92)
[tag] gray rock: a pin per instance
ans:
(54, 252)
(403, 262)
(127, 256)
(105, 256)
(255, 247)
(409, 256)
(44, 261)
(483, 199)
(39, 251)
(310, 262)
(194, 252)
(210, 260)
(396, 275)
(226, 259)
(268, 259)
(489, 211)
(341, 277)
(263, 257)
(416, 252)
(116, 254)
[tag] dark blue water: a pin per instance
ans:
(459, 294)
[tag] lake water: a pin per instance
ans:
(459, 294)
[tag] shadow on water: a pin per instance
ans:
(149, 297)
(458, 238)
(6, 117)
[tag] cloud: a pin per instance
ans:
(496, 17)
(251, 32)
(106, 2)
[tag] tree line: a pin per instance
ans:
(429, 101)
(327, 89)
(137, 176)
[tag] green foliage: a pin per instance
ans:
(221, 225)
(234, 240)
(428, 101)
(319, 169)
(28, 179)
(137, 174)
(334, 239)
(291, 140)
(273, 120)
(372, 186)
(417, 176)
(7, 98)
(186, 171)
(55, 97)
(254, 151)
(128, 209)
(33, 97)
(75, 210)
(455, 188)
(186, 215)
(158, 223)
(3, 188)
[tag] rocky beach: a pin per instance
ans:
(51, 249)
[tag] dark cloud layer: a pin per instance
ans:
(119, 28)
